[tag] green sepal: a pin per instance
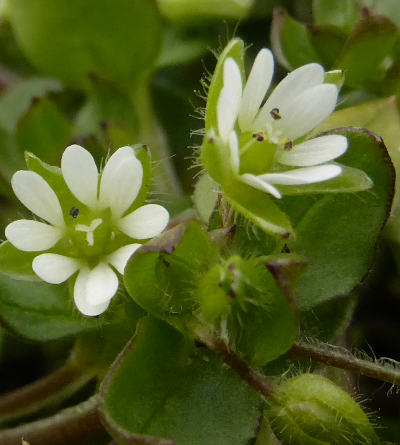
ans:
(215, 158)
(349, 181)
(235, 50)
(161, 391)
(258, 207)
(311, 410)
(15, 263)
(337, 77)
(205, 196)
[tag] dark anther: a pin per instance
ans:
(74, 212)
(275, 114)
(285, 249)
(166, 263)
(258, 137)
(288, 145)
(211, 140)
(232, 293)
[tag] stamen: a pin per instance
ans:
(288, 145)
(275, 114)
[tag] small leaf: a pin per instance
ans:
(342, 14)
(40, 311)
(159, 388)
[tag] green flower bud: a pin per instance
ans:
(311, 410)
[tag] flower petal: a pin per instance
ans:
(307, 110)
(307, 175)
(102, 284)
(32, 236)
(258, 183)
(81, 296)
(121, 181)
(80, 173)
(234, 151)
(314, 151)
(145, 222)
(256, 88)
(288, 89)
(120, 257)
(37, 196)
(53, 268)
(229, 99)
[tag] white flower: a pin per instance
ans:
(299, 103)
(93, 237)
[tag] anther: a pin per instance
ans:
(288, 145)
(275, 114)
(258, 137)
(74, 212)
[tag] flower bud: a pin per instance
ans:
(311, 410)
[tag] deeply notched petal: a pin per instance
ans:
(37, 196)
(145, 222)
(32, 236)
(121, 181)
(314, 151)
(81, 296)
(229, 99)
(302, 176)
(256, 88)
(120, 257)
(54, 268)
(80, 173)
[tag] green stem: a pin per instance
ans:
(252, 377)
(71, 426)
(52, 389)
(386, 370)
(151, 133)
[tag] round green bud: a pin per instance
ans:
(311, 410)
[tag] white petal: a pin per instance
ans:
(229, 99)
(314, 151)
(36, 195)
(80, 173)
(256, 88)
(145, 222)
(102, 284)
(121, 181)
(120, 257)
(81, 296)
(307, 111)
(32, 236)
(53, 268)
(292, 85)
(234, 151)
(258, 183)
(307, 175)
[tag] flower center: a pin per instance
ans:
(89, 230)
(257, 153)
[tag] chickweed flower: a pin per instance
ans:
(266, 138)
(97, 234)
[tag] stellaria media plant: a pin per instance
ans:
(209, 320)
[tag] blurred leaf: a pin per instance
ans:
(70, 39)
(370, 42)
(40, 311)
(291, 41)
(328, 42)
(16, 263)
(388, 8)
(156, 389)
(16, 100)
(342, 14)
(337, 233)
(44, 131)
(205, 196)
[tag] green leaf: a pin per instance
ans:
(40, 311)
(44, 131)
(259, 208)
(342, 14)
(159, 388)
(15, 263)
(17, 99)
(370, 42)
(388, 8)
(337, 233)
(70, 39)
(291, 41)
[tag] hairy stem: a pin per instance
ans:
(252, 377)
(381, 369)
(54, 388)
(73, 425)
